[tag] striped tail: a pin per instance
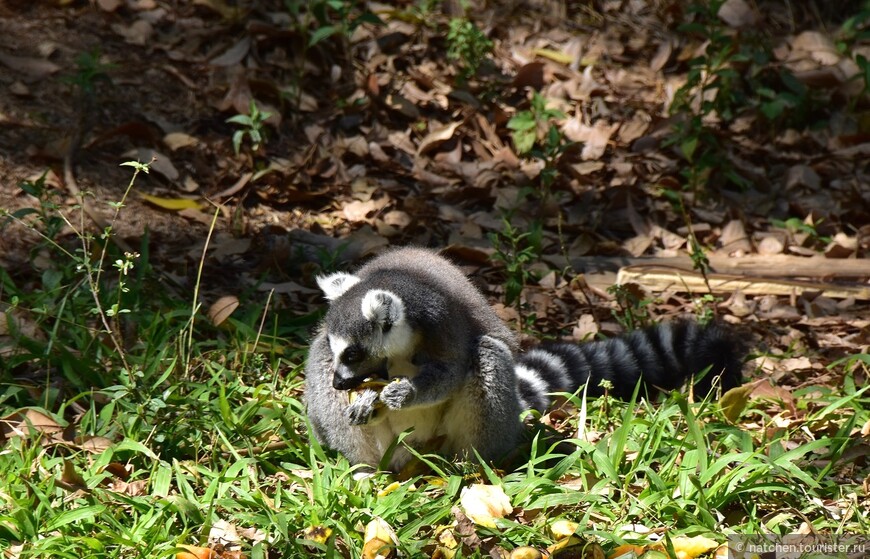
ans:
(664, 356)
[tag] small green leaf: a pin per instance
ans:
(773, 109)
(138, 165)
(688, 148)
(244, 120)
(734, 401)
(74, 515)
(18, 214)
(522, 121)
(368, 17)
(237, 140)
(524, 140)
(322, 33)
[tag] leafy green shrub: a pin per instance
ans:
(467, 45)
(535, 135)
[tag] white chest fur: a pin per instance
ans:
(424, 424)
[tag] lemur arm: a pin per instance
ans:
(437, 381)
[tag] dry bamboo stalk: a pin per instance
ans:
(659, 278)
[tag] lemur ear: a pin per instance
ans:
(334, 285)
(383, 307)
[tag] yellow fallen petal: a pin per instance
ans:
(573, 547)
(447, 543)
(379, 541)
(389, 489)
(562, 529)
(689, 548)
(194, 552)
(525, 552)
(484, 503)
(627, 551)
(319, 534)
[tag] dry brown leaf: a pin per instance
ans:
(221, 309)
(594, 138)
(587, 167)
(842, 246)
(120, 471)
(196, 216)
(34, 67)
(109, 5)
(661, 57)
(133, 489)
(94, 444)
(233, 55)
(815, 46)
(437, 137)
(177, 140)
(586, 328)
(739, 306)
(16, 322)
(737, 13)
(239, 94)
(29, 423)
(734, 238)
(358, 210)
(19, 89)
(70, 478)
(397, 218)
(802, 175)
(236, 186)
(137, 33)
(223, 8)
(402, 105)
(637, 245)
(142, 5)
(633, 129)
(224, 532)
(770, 245)
(530, 75)
(401, 140)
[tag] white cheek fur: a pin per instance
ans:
(399, 341)
(337, 344)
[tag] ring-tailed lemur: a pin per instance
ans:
(412, 318)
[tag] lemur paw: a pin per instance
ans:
(363, 408)
(399, 393)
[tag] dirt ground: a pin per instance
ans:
(369, 142)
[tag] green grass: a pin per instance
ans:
(195, 466)
(195, 433)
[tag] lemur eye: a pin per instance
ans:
(387, 327)
(353, 355)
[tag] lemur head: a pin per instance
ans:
(366, 328)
